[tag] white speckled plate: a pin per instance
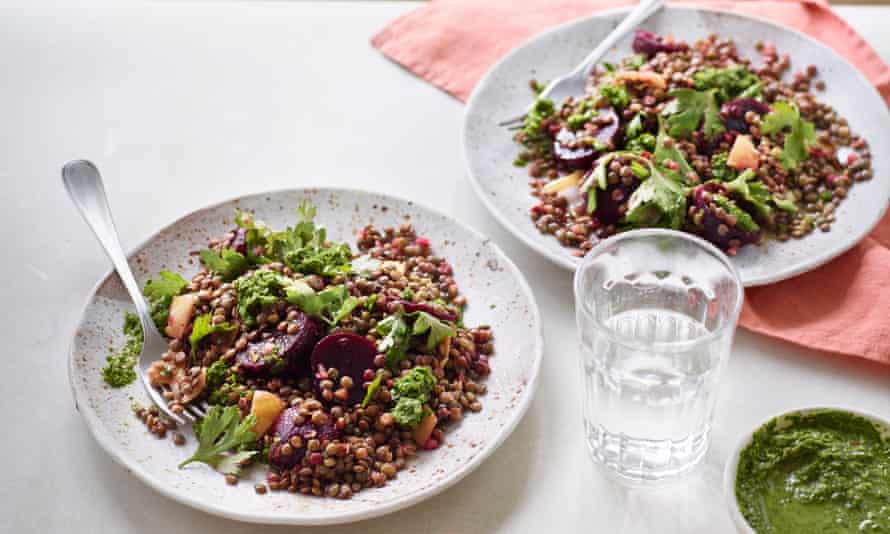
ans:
(503, 92)
(497, 294)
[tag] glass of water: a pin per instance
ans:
(656, 312)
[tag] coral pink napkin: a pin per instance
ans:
(841, 307)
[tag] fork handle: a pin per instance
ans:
(84, 185)
(641, 12)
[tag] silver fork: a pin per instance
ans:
(84, 186)
(573, 83)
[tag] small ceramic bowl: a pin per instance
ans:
(732, 464)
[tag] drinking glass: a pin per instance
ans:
(656, 313)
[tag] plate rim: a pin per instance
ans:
(567, 262)
(106, 441)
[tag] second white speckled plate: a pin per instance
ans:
(497, 294)
(504, 91)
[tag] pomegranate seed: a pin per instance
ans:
(431, 444)
(423, 242)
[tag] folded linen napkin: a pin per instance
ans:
(841, 307)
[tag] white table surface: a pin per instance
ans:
(185, 104)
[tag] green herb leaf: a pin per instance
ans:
(720, 170)
(531, 126)
(396, 340)
(800, 134)
(119, 370)
(202, 328)
(438, 330)
(667, 151)
(160, 292)
(635, 127)
(331, 304)
(227, 263)
(216, 374)
(365, 265)
(691, 108)
(744, 221)
(305, 249)
(753, 192)
(658, 202)
(222, 430)
(635, 61)
(373, 387)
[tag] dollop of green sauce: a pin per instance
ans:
(824, 471)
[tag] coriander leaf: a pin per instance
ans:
(635, 127)
(160, 292)
(691, 108)
(256, 291)
(120, 368)
(799, 136)
(231, 464)
(408, 412)
(617, 96)
(437, 329)
(396, 340)
(373, 387)
(658, 202)
(667, 155)
(416, 384)
(228, 264)
(305, 249)
(202, 328)
(744, 221)
(753, 192)
(730, 83)
(332, 304)
(221, 431)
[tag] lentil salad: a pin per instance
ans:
(691, 137)
(332, 367)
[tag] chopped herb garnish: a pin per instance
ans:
(120, 368)
(221, 431)
(799, 134)
(691, 108)
(160, 292)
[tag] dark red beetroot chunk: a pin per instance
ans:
(239, 242)
(733, 113)
(290, 423)
(435, 311)
(583, 155)
(650, 44)
(611, 202)
(293, 348)
(350, 354)
(708, 226)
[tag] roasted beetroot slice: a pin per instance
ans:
(350, 354)
(294, 349)
(733, 113)
(583, 155)
(649, 44)
(610, 200)
(571, 159)
(436, 311)
(290, 424)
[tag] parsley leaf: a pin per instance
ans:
(260, 289)
(597, 178)
(691, 108)
(437, 329)
(202, 328)
(744, 221)
(221, 431)
(658, 202)
(396, 340)
(160, 292)
(228, 264)
(799, 136)
(216, 374)
(305, 249)
(373, 387)
(635, 127)
(666, 152)
(753, 192)
(332, 304)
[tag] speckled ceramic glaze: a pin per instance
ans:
(497, 294)
(504, 91)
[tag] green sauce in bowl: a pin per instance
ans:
(820, 471)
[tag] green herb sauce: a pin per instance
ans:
(824, 471)
(119, 372)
